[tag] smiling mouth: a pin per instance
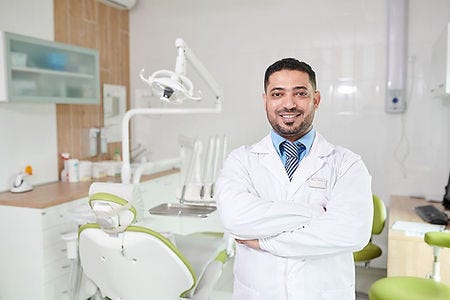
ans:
(289, 117)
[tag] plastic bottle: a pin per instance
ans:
(117, 155)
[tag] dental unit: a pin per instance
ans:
(173, 87)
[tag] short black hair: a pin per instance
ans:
(290, 64)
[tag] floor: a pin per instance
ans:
(364, 279)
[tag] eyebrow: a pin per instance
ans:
(300, 87)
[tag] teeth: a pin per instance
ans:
(288, 116)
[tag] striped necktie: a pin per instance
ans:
(292, 156)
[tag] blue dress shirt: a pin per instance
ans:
(306, 140)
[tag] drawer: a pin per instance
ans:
(58, 214)
(57, 268)
(54, 234)
(58, 288)
(53, 216)
(55, 252)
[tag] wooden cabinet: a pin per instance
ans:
(35, 71)
(408, 254)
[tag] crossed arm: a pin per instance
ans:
(295, 228)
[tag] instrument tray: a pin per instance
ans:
(177, 209)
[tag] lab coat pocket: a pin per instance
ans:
(317, 197)
(341, 294)
(243, 292)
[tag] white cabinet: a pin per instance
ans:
(33, 260)
(440, 65)
(34, 70)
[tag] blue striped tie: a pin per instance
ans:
(292, 157)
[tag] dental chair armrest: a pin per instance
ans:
(207, 254)
(208, 280)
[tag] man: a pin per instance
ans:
(297, 205)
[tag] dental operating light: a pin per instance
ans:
(172, 87)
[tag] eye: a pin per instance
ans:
(302, 94)
(276, 94)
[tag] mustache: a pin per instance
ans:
(292, 110)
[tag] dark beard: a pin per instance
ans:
(296, 132)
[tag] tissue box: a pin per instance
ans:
(85, 170)
(98, 170)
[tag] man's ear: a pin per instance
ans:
(316, 99)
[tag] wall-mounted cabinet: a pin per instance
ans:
(440, 65)
(38, 71)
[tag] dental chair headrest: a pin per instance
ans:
(113, 205)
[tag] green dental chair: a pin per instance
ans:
(124, 259)
(371, 250)
(414, 288)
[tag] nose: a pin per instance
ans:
(288, 101)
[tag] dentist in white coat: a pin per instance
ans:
(295, 237)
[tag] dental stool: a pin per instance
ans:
(128, 261)
(413, 288)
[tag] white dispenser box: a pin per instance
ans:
(73, 170)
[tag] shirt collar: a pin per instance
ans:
(306, 140)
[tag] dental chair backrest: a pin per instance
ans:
(127, 261)
(115, 205)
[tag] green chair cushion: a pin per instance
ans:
(379, 215)
(440, 239)
(369, 252)
(408, 288)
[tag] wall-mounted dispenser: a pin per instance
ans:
(396, 56)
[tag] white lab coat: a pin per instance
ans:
(308, 228)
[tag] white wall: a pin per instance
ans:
(27, 131)
(237, 40)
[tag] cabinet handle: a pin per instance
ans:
(65, 267)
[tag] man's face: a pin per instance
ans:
(290, 102)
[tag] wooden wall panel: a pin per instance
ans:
(91, 24)
(61, 23)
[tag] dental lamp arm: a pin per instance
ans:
(181, 65)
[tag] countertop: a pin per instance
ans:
(54, 193)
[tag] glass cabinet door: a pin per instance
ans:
(45, 71)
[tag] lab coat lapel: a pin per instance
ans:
(310, 164)
(270, 159)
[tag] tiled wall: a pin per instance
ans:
(345, 41)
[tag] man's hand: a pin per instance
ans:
(249, 243)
